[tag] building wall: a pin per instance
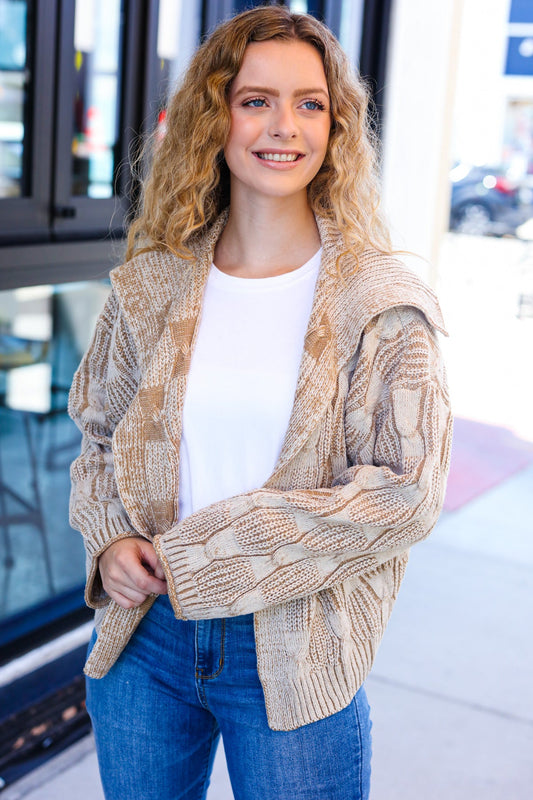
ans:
(423, 56)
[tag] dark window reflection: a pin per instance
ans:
(43, 333)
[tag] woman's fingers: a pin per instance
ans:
(141, 575)
(130, 571)
(152, 562)
(126, 601)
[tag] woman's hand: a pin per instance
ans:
(130, 571)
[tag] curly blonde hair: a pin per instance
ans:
(188, 182)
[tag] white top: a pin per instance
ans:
(241, 383)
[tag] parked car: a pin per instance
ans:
(485, 201)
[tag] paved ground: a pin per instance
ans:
(451, 687)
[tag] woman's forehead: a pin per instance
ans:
(279, 60)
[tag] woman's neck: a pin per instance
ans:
(261, 241)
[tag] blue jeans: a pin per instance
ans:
(158, 714)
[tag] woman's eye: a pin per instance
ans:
(255, 102)
(313, 105)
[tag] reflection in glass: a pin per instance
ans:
(351, 29)
(97, 45)
(43, 332)
(13, 95)
(491, 175)
(298, 6)
(488, 200)
(178, 32)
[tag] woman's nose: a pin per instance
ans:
(283, 124)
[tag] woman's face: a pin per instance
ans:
(280, 120)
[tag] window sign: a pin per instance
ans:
(519, 55)
(521, 11)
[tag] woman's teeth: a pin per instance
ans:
(278, 156)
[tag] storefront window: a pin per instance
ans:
(43, 332)
(14, 82)
(491, 175)
(97, 46)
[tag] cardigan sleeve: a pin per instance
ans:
(269, 546)
(102, 389)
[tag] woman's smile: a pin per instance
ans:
(279, 159)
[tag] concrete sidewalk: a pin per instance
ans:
(450, 691)
(451, 686)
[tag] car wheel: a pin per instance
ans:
(472, 218)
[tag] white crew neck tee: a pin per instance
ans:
(241, 382)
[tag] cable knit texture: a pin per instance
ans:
(317, 553)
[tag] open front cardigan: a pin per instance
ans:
(319, 551)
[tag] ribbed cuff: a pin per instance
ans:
(173, 577)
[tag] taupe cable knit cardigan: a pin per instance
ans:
(318, 553)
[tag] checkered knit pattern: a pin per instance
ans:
(318, 553)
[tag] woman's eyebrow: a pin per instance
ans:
(317, 90)
(257, 90)
(275, 92)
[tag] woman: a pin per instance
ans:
(264, 439)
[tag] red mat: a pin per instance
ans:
(482, 457)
